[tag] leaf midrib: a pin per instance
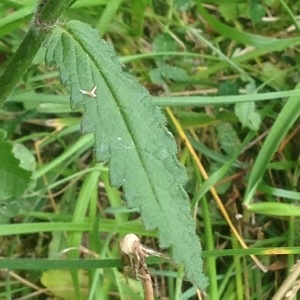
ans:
(123, 115)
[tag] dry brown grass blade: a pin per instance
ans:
(212, 189)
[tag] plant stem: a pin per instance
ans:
(47, 14)
(147, 284)
(20, 62)
(288, 283)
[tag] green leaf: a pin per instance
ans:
(173, 73)
(15, 177)
(164, 42)
(9, 209)
(130, 133)
(257, 11)
(227, 137)
(183, 5)
(231, 11)
(247, 115)
(23, 154)
(228, 88)
(155, 76)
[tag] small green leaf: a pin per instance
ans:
(228, 138)
(155, 76)
(183, 5)
(228, 88)
(233, 10)
(247, 115)
(257, 11)
(130, 133)
(23, 154)
(164, 42)
(165, 71)
(14, 178)
(9, 209)
(174, 73)
(279, 76)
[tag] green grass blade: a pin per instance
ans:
(58, 264)
(130, 133)
(14, 20)
(186, 101)
(105, 226)
(271, 44)
(275, 209)
(138, 11)
(108, 14)
(82, 203)
(211, 264)
(171, 101)
(286, 118)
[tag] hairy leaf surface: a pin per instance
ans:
(130, 134)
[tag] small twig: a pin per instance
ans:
(290, 286)
(26, 282)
